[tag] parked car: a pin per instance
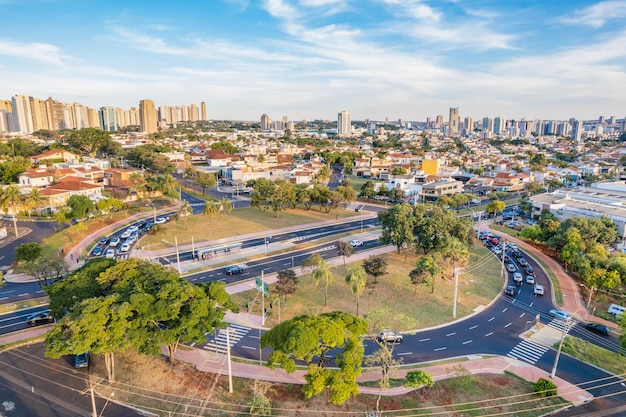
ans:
(616, 310)
(355, 243)
(598, 328)
(532, 222)
(510, 290)
(530, 279)
(511, 267)
(115, 241)
(561, 315)
(81, 360)
(538, 289)
(132, 238)
(518, 278)
(103, 241)
(97, 251)
(389, 336)
(234, 269)
(125, 247)
(110, 253)
(160, 220)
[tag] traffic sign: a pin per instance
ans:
(258, 283)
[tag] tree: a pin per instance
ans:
(226, 206)
(455, 253)
(189, 172)
(323, 274)
(419, 379)
(168, 185)
(11, 168)
(311, 263)
(109, 205)
(345, 250)
(47, 269)
(80, 206)
(398, 171)
(286, 283)
(27, 252)
(397, 226)
(495, 207)
(206, 180)
(211, 209)
(375, 266)
(11, 198)
(357, 281)
(185, 211)
(308, 337)
(34, 200)
(430, 264)
(396, 194)
(323, 174)
(347, 194)
(88, 141)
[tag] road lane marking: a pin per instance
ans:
(441, 348)
(424, 340)
(488, 334)
(254, 337)
(451, 334)
(39, 292)
(466, 342)
(211, 275)
(522, 315)
(473, 327)
(195, 279)
(531, 304)
(287, 264)
(491, 319)
(248, 347)
(22, 295)
(506, 308)
(405, 353)
(507, 325)
(3, 298)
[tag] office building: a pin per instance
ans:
(344, 124)
(453, 122)
(498, 125)
(148, 116)
(109, 119)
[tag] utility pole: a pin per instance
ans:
(262, 299)
(503, 255)
(93, 402)
(456, 289)
(558, 352)
(230, 370)
(177, 254)
(589, 302)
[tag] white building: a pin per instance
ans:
(344, 124)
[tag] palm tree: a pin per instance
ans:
(357, 280)
(323, 274)
(12, 198)
(138, 183)
(168, 184)
(226, 205)
(189, 172)
(184, 211)
(34, 199)
(211, 209)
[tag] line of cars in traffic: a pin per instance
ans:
(117, 246)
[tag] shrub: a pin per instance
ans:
(545, 388)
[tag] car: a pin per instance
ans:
(132, 238)
(125, 247)
(494, 240)
(110, 253)
(234, 269)
(38, 319)
(133, 228)
(142, 224)
(510, 290)
(103, 241)
(160, 220)
(517, 253)
(518, 278)
(538, 289)
(511, 267)
(355, 243)
(126, 234)
(529, 270)
(522, 262)
(81, 360)
(598, 328)
(532, 222)
(530, 279)
(97, 251)
(114, 242)
(389, 336)
(37, 314)
(561, 315)
(9, 218)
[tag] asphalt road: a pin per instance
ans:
(33, 385)
(39, 231)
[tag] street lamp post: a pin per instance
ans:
(558, 352)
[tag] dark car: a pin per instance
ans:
(517, 253)
(39, 319)
(103, 241)
(81, 360)
(598, 328)
(234, 269)
(97, 251)
(529, 270)
(510, 290)
(522, 262)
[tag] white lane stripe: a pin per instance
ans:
(507, 325)
(451, 334)
(424, 340)
(466, 342)
(441, 348)
(491, 319)
(473, 327)
(488, 334)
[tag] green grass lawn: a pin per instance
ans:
(595, 355)
(393, 301)
(241, 221)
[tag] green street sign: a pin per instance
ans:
(265, 287)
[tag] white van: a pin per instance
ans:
(616, 310)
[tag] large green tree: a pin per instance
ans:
(308, 337)
(397, 226)
(80, 206)
(375, 266)
(88, 141)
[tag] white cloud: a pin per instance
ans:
(597, 15)
(35, 51)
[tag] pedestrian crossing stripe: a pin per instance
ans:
(235, 333)
(528, 351)
(201, 204)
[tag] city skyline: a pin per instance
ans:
(309, 58)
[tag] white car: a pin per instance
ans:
(510, 267)
(126, 234)
(114, 242)
(530, 279)
(125, 247)
(355, 243)
(133, 228)
(538, 290)
(160, 220)
(517, 277)
(110, 253)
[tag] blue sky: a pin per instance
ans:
(307, 59)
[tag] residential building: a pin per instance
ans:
(22, 114)
(344, 124)
(434, 190)
(266, 122)
(148, 116)
(203, 111)
(454, 121)
(109, 119)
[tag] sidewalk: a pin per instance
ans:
(572, 301)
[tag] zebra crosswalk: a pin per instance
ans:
(198, 204)
(560, 324)
(218, 343)
(528, 351)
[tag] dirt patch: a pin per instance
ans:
(181, 390)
